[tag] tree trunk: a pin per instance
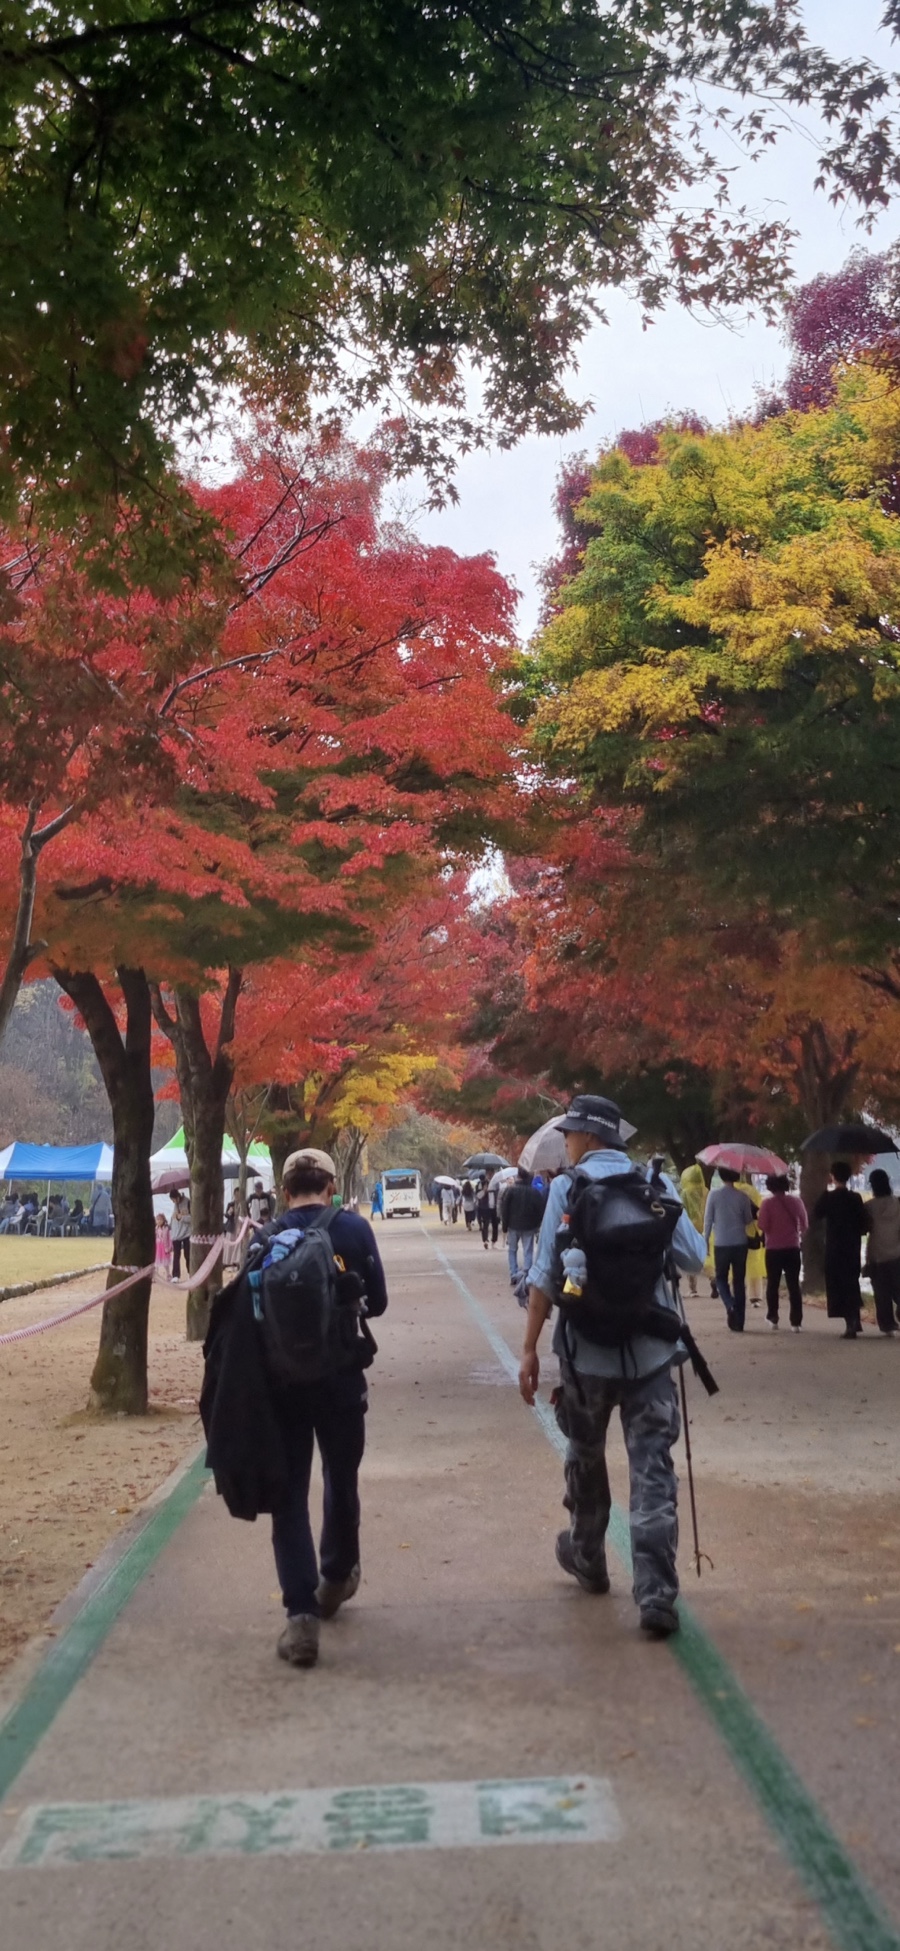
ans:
(826, 1081)
(350, 1163)
(119, 1379)
(814, 1172)
(281, 1144)
(22, 949)
(243, 1113)
(204, 1079)
(286, 1127)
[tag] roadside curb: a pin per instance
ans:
(52, 1280)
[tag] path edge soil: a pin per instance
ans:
(16, 1678)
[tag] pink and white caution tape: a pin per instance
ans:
(217, 1244)
(56, 1320)
(110, 1293)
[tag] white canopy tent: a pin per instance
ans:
(173, 1157)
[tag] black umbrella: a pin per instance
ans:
(484, 1162)
(863, 1140)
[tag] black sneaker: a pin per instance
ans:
(594, 1581)
(659, 1622)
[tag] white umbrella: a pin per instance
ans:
(444, 1180)
(504, 1177)
(545, 1150)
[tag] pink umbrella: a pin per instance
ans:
(742, 1158)
(172, 1178)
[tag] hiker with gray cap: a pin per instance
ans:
(604, 1367)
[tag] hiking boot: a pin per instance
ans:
(659, 1622)
(299, 1643)
(596, 1580)
(334, 1592)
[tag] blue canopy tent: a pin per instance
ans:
(57, 1165)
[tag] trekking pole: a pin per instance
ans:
(670, 1276)
(698, 1554)
(685, 1419)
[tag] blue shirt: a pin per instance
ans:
(645, 1355)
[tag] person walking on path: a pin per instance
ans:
(446, 1205)
(378, 1200)
(635, 1377)
(521, 1213)
(756, 1258)
(180, 1230)
(783, 1223)
(883, 1255)
(846, 1222)
(262, 1429)
(468, 1204)
(488, 1216)
(693, 1198)
(728, 1214)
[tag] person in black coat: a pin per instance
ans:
(521, 1213)
(846, 1223)
(262, 1434)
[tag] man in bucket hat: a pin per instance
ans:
(635, 1378)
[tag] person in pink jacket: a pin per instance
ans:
(783, 1221)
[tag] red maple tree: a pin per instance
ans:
(316, 736)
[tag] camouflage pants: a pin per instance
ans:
(650, 1425)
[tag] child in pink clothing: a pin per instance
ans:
(163, 1245)
(783, 1221)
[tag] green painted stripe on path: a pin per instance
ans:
(62, 1667)
(850, 1909)
(318, 1821)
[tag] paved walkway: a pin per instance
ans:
(485, 1756)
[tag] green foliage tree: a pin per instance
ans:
(371, 198)
(725, 669)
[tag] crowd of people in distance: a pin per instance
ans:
(509, 1202)
(754, 1243)
(24, 1214)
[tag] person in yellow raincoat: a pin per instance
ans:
(693, 1194)
(756, 1258)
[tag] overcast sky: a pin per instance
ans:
(631, 376)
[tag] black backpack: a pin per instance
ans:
(624, 1225)
(308, 1307)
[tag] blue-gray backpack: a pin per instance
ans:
(308, 1307)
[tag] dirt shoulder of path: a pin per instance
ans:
(69, 1480)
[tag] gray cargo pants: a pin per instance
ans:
(651, 1423)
